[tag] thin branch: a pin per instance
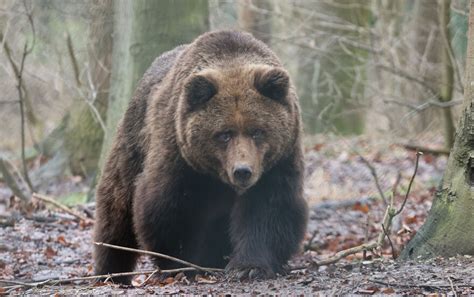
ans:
(72, 56)
(22, 115)
(436, 286)
(29, 15)
(197, 267)
(77, 76)
(452, 287)
(395, 185)
(60, 206)
(418, 154)
(449, 49)
(376, 178)
(427, 104)
(394, 254)
(407, 76)
(19, 284)
(390, 213)
(424, 149)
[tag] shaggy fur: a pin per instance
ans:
(207, 163)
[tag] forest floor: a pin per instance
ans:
(346, 211)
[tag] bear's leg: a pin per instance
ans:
(161, 209)
(210, 246)
(114, 226)
(267, 226)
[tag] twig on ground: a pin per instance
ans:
(86, 210)
(19, 284)
(60, 206)
(390, 213)
(197, 267)
(452, 287)
(376, 178)
(437, 286)
(148, 278)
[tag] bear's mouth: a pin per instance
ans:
(240, 190)
(241, 187)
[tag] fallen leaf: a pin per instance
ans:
(411, 219)
(61, 240)
(387, 291)
(99, 284)
(50, 252)
(205, 280)
(168, 281)
(368, 291)
(318, 146)
(361, 207)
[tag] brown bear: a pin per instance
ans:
(207, 163)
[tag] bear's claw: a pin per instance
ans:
(249, 273)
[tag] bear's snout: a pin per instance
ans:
(242, 174)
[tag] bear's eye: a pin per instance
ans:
(257, 134)
(224, 137)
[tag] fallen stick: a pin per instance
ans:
(60, 206)
(389, 284)
(91, 277)
(197, 267)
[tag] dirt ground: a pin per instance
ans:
(47, 244)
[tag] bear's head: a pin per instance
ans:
(236, 123)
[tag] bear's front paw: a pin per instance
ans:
(248, 272)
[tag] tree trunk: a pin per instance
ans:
(447, 77)
(143, 30)
(256, 17)
(84, 128)
(448, 230)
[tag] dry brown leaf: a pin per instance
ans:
(361, 207)
(62, 240)
(50, 252)
(387, 291)
(205, 280)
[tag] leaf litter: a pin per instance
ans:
(346, 211)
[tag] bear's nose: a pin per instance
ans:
(242, 173)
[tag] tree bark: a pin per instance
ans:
(84, 129)
(256, 17)
(144, 29)
(447, 77)
(448, 230)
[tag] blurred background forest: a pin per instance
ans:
(378, 70)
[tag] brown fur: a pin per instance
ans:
(201, 113)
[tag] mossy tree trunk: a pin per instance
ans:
(449, 228)
(144, 29)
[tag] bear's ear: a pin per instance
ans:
(199, 90)
(272, 83)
